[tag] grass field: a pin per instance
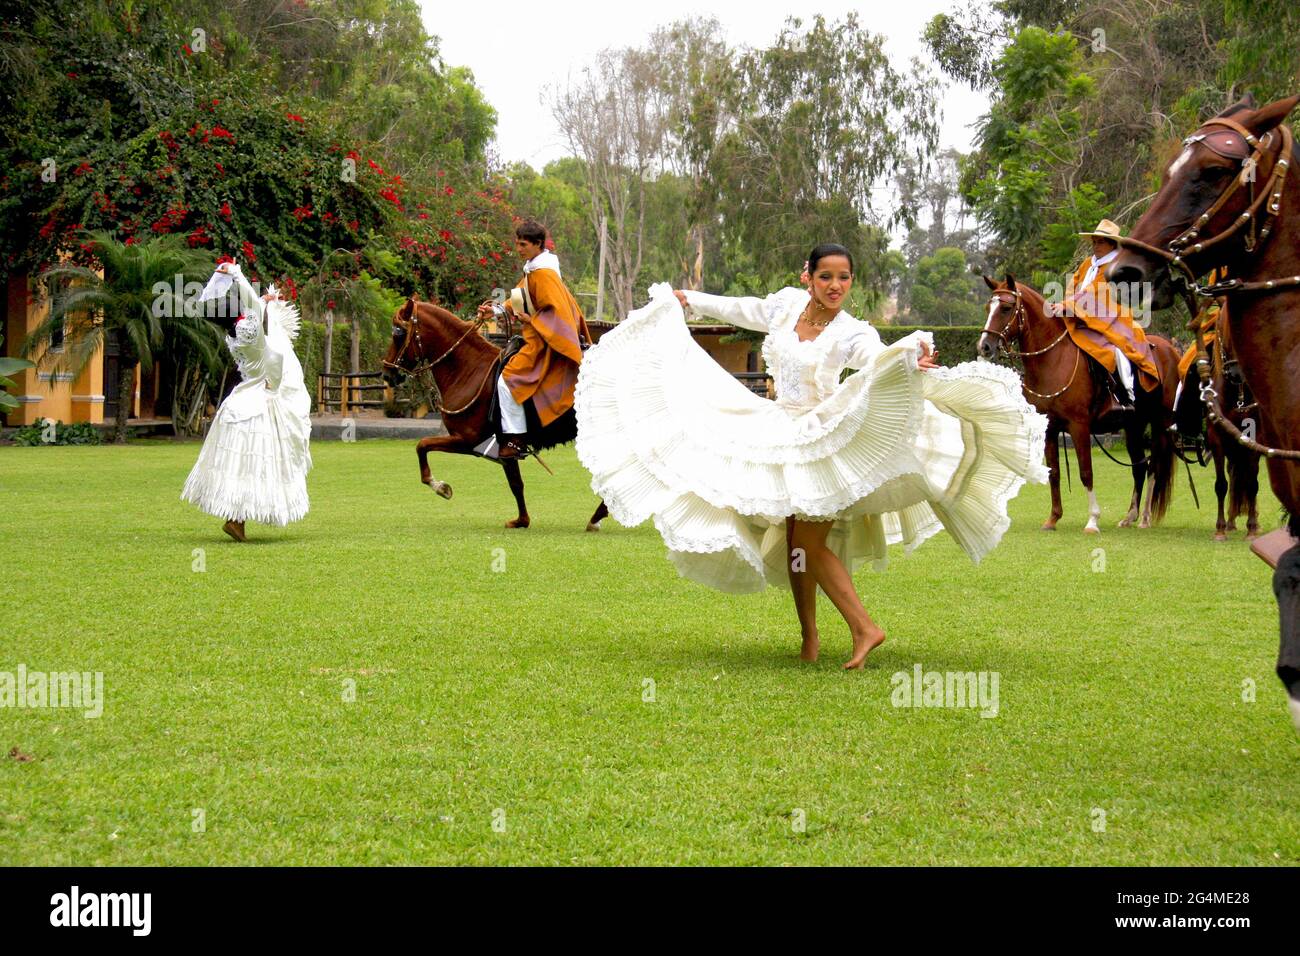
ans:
(500, 682)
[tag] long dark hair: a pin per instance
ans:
(822, 250)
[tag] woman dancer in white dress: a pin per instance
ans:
(748, 492)
(255, 459)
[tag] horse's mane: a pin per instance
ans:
(458, 325)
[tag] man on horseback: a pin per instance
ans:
(545, 368)
(1103, 327)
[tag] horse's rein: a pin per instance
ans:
(1019, 318)
(413, 332)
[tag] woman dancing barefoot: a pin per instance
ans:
(254, 461)
(748, 492)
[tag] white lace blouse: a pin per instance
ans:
(805, 372)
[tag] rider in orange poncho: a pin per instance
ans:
(553, 329)
(1101, 325)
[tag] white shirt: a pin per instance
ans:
(1094, 266)
(543, 260)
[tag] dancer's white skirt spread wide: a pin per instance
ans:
(890, 455)
(254, 461)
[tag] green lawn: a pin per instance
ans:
(514, 697)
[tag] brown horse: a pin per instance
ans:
(1231, 199)
(1236, 467)
(429, 339)
(1058, 382)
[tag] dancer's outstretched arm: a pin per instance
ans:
(746, 312)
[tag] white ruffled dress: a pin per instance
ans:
(892, 454)
(254, 462)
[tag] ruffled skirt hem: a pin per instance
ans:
(892, 456)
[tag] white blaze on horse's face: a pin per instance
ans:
(993, 309)
(1183, 158)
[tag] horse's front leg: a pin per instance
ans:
(516, 482)
(1081, 436)
(1286, 587)
(444, 443)
(1220, 490)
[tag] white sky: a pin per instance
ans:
(517, 48)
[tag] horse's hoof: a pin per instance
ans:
(518, 523)
(442, 489)
(1144, 524)
(593, 525)
(1252, 535)
(1092, 531)
(1232, 525)
(1048, 526)
(1125, 523)
(1220, 536)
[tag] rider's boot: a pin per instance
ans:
(513, 447)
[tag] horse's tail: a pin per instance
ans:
(1162, 442)
(1162, 472)
(1243, 478)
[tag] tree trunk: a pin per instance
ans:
(125, 393)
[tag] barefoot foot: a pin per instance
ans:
(811, 646)
(863, 644)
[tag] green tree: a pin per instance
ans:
(139, 300)
(944, 291)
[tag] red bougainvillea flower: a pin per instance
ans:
(391, 196)
(293, 117)
(449, 191)
(72, 76)
(375, 166)
(225, 258)
(423, 215)
(221, 169)
(130, 241)
(483, 261)
(445, 235)
(83, 168)
(249, 252)
(225, 210)
(220, 132)
(186, 50)
(302, 212)
(353, 154)
(353, 225)
(329, 304)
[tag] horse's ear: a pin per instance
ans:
(407, 310)
(1011, 282)
(990, 283)
(1247, 102)
(1268, 117)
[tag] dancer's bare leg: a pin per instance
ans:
(804, 586)
(836, 581)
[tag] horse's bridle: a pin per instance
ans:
(1019, 318)
(412, 331)
(1190, 243)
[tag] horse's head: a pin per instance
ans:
(1205, 195)
(1007, 316)
(404, 347)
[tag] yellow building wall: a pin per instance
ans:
(43, 394)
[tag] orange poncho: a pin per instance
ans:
(546, 368)
(1099, 321)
